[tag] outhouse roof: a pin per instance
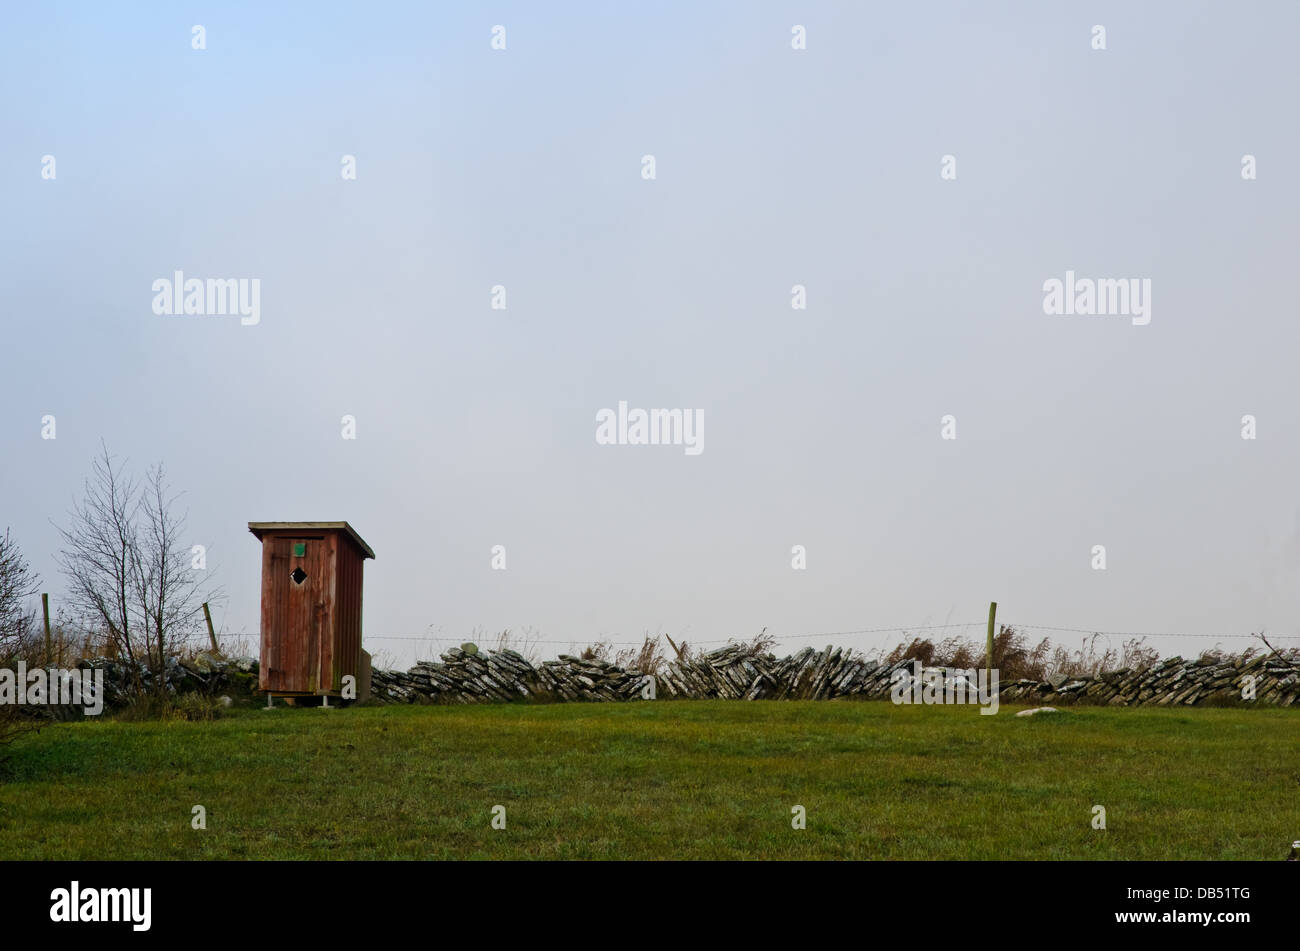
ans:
(261, 528)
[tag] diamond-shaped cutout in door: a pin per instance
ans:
(298, 576)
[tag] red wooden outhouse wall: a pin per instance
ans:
(311, 606)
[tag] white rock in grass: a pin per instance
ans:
(1030, 713)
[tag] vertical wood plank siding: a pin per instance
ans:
(311, 632)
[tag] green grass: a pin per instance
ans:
(693, 779)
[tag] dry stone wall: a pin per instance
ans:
(732, 673)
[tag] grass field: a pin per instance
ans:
(686, 779)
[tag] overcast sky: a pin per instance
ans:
(773, 167)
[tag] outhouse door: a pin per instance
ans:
(299, 573)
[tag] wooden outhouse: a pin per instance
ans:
(311, 607)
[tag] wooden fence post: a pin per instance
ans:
(207, 616)
(45, 608)
(988, 659)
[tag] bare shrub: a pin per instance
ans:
(601, 651)
(649, 658)
(382, 659)
(126, 560)
(952, 652)
(526, 643)
(760, 645)
(1135, 655)
(922, 649)
(19, 637)
(18, 585)
(1016, 658)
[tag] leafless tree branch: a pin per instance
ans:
(127, 568)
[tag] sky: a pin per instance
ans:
(920, 170)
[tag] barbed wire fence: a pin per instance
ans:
(911, 629)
